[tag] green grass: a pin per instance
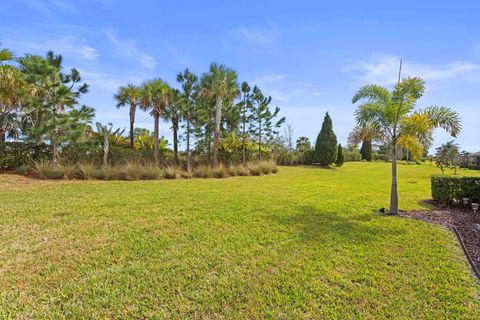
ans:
(303, 243)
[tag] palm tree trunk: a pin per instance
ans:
(216, 136)
(155, 139)
(260, 139)
(54, 153)
(132, 125)
(394, 190)
(188, 145)
(243, 135)
(106, 147)
(3, 135)
(175, 142)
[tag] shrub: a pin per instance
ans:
(87, 171)
(451, 189)
(171, 173)
(242, 170)
(233, 170)
(202, 171)
(150, 173)
(254, 169)
(340, 157)
(69, 171)
(220, 172)
(46, 170)
(108, 173)
(326, 144)
(131, 171)
(264, 167)
(16, 154)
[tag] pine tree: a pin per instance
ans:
(366, 150)
(326, 145)
(340, 158)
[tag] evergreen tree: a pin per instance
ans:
(340, 158)
(366, 150)
(326, 145)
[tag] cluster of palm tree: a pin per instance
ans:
(39, 101)
(211, 109)
(39, 104)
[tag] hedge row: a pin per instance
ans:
(451, 190)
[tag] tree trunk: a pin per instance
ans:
(188, 145)
(216, 136)
(243, 136)
(54, 153)
(132, 125)
(106, 147)
(3, 135)
(175, 142)
(394, 190)
(155, 139)
(260, 139)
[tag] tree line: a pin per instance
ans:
(218, 118)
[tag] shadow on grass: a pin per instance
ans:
(317, 226)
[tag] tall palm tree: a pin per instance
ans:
(245, 88)
(221, 84)
(129, 95)
(393, 113)
(189, 83)
(172, 114)
(12, 89)
(155, 97)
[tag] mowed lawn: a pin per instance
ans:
(302, 243)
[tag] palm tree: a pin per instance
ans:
(221, 84)
(12, 87)
(392, 113)
(172, 113)
(365, 134)
(155, 97)
(245, 106)
(129, 95)
(189, 83)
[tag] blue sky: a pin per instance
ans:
(310, 56)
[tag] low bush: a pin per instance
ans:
(45, 170)
(202, 171)
(136, 171)
(220, 172)
(87, 171)
(450, 190)
(171, 173)
(254, 169)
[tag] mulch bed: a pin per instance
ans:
(461, 220)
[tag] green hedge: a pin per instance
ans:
(451, 190)
(17, 154)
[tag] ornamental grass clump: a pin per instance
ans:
(220, 172)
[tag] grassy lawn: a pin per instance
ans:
(303, 243)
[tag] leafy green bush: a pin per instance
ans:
(17, 154)
(451, 189)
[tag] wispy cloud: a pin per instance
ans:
(128, 48)
(46, 6)
(63, 45)
(282, 89)
(383, 69)
(257, 34)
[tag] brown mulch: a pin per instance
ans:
(462, 220)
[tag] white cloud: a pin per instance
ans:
(258, 34)
(66, 45)
(128, 48)
(383, 69)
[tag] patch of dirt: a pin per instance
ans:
(462, 220)
(10, 181)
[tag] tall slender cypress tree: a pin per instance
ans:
(340, 157)
(326, 145)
